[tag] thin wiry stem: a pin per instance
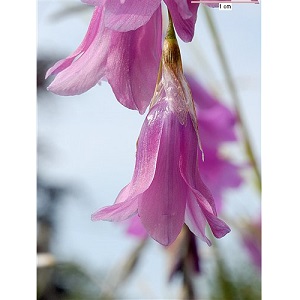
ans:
(234, 94)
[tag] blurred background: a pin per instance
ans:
(86, 154)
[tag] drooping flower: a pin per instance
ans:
(166, 190)
(126, 15)
(129, 61)
(216, 123)
(123, 46)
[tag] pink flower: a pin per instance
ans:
(216, 124)
(251, 236)
(129, 61)
(125, 15)
(166, 190)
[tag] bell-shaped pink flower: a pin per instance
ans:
(129, 61)
(166, 190)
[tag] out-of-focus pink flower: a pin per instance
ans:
(251, 236)
(166, 190)
(216, 126)
(129, 61)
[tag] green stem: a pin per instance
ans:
(230, 82)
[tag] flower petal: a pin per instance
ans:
(189, 167)
(218, 227)
(88, 39)
(146, 155)
(86, 70)
(136, 228)
(162, 205)
(117, 212)
(129, 14)
(184, 17)
(133, 63)
(195, 219)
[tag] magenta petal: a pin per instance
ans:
(146, 156)
(218, 227)
(88, 39)
(129, 14)
(195, 219)
(117, 212)
(183, 8)
(162, 206)
(189, 167)
(184, 26)
(133, 63)
(85, 71)
(136, 228)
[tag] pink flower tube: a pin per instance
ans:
(166, 190)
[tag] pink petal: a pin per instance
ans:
(129, 14)
(218, 227)
(184, 25)
(87, 70)
(189, 166)
(162, 205)
(88, 39)
(146, 155)
(133, 63)
(117, 212)
(195, 219)
(136, 228)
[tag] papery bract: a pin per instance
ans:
(127, 60)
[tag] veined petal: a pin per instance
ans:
(88, 39)
(133, 63)
(183, 8)
(189, 167)
(146, 155)
(86, 70)
(218, 227)
(184, 25)
(117, 212)
(195, 219)
(162, 205)
(125, 15)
